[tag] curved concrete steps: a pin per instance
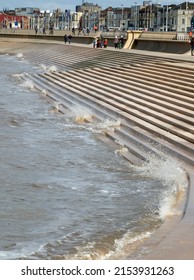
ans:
(147, 112)
(142, 138)
(75, 57)
(152, 96)
(150, 115)
(148, 124)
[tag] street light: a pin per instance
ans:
(186, 18)
(150, 9)
(122, 10)
(166, 18)
(121, 22)
(135, 15)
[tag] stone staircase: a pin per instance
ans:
(153, 98)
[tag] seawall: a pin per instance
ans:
(152, 95)
(147, 41)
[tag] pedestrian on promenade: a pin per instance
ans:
(98, 43)
(192, 45)
(116, 41)
(190, 34)
(95, 43)
(105, 43)
(69, 39)
(65, 38)
(73, 30)
(36, 29)
(121, 42)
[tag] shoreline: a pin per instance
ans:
(174, 240)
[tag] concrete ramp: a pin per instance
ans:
(167, 46)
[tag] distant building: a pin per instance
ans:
(147, 16)
(115, 18)
(90, 15)
(88, 7)
(29, 11)
(13, 21)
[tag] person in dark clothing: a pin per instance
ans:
(69, 39)
(192, 45)
(121, 41)
(65, 38)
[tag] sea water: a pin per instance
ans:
(64, 194)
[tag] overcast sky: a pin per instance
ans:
(70, 4)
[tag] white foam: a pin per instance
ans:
(19, 55)
(18, 75)
(44, 67)
(81, 114)
(108, 124)
(57, 105)
(44, 92)
(122, 244)
(52, 69)
(168, 171)
(28, 84)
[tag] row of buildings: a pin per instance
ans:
(148, 16)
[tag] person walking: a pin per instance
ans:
(121, 40)
(192, 45)
(69, 39)
(65, 38)
(116, 41)
(95, 43)
(105, 43)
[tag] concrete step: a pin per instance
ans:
(133, 112)
(181, 82)
(114, 113)
(130, 145)
(176, 67)
(150, 68)
(157, 145)
(64, 56)
(69, 98)
(137, 96)
(159, 137)
(135, 80)
(102, 75)
(135, 109)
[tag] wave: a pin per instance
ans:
(168, 171)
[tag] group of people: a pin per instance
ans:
(67, 38)
(118, 42)
(100, 43)
(43, 30)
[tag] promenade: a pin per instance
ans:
(150, 93)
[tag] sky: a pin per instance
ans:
(70, 4)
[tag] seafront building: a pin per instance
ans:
(148, 16)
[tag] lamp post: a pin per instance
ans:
(150, 9)
(121, 22)
(166, 18)
(186, 16)
(147, 17)
(135, 15)
(122, 11)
